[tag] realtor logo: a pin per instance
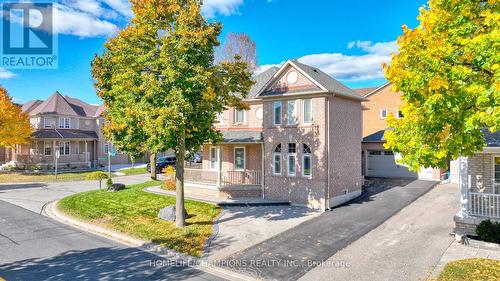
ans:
(28, 41)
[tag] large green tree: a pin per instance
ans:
(448, 70)
(160, 85)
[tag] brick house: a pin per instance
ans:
(300, 141)
(67, 127)
(479, 181)
(378, 161)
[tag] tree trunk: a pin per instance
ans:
(152, 161)
(179, 181)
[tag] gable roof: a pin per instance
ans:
(377, 89)
(378, 136)
(491, 139)
(324, 81)
(365, 91)
(57, 104)
(261, 80)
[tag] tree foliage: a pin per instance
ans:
(159, 82)
(15, 127)
(448, 71)
(238, 46)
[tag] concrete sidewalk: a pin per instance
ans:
(34, 196)
(292, 253)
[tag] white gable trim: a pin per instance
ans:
(282, 69)
(377, 89)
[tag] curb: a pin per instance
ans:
(52, 212)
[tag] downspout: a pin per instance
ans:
(327, 189)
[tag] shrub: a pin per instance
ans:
(169, 183)
(109, 182)
(489, 231)
(99, 175)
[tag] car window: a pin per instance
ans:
(161, 159)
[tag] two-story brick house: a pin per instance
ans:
(67, 127)
(300, 141)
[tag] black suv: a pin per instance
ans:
(162, 163)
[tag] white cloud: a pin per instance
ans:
(224, 7)
(350, 68)
(5, 74)
(93, 18)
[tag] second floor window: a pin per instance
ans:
(64, 123)
(291, 112)
(277, 113)
(46, 122)
(218, 118)
(239, 116)
(307, 111)
(400, 114)
(383, 113)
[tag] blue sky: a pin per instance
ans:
(347, 39)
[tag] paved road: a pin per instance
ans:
(33, 196)
(291, 254)
(34, 247)
(405, 247)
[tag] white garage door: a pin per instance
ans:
(381, 163)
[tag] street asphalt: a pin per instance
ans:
(34, 247)
(291, 254)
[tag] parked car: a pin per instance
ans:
(162, 163)
(196, 158)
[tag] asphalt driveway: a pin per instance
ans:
(293, 253)
(34, 247)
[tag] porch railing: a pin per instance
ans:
(247, 177)
(485, 205)
(200, 176)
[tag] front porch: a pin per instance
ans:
(233, 169)
(45, 154)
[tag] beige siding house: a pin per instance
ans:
(299, 142)
(67, 128)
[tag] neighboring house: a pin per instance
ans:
(378, 161)
(67, 127)
(300, 141)
(479, 180)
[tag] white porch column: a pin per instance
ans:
(86, 155)
(219, 164)
(464, 188)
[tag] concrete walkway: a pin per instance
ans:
(405, 247)
(291, 254)
(457, 251)
(34, 196)
(212, 196)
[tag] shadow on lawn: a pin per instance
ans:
(98, 264)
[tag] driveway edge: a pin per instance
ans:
(52, 212)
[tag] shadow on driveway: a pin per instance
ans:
(98, 264)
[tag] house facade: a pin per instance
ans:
(377, 160)
(479, 181)
(66, 131)
(300, 141)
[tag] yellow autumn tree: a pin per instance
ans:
(15, 127)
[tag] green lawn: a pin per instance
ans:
(133, 171)
(471, 269)
(134, 212)
(21, 177)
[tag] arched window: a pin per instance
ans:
(277, 160)
(306, 161)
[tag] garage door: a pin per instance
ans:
(381, 163)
